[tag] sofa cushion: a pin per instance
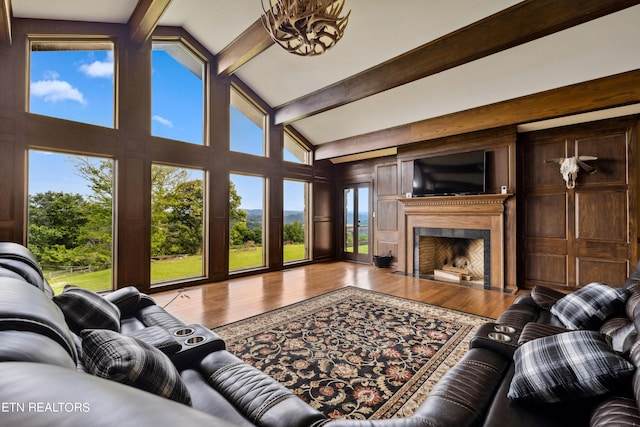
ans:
(84, 309)
(590, 306)
(111, 355)
(567, 366)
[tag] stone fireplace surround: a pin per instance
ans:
(469, 212)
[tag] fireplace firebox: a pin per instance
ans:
(458, 255)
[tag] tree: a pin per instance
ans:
(56, 222)
(238, 231)
(294, 232)
(98, 232)
(176, 212)
(184, 219)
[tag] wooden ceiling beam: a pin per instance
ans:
(5, 22)
(252, 42)
(608, 92)
(144, 19)
(519, 24)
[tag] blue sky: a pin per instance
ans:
(79, 86)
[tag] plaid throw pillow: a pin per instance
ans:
(110, 355)
(590, 306)
(84, 309)
(567, 366)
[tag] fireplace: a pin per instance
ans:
(458, 255)
(480, 219)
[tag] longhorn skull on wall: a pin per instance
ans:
(569, 167)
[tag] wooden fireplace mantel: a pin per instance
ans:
(471, 212)
(478, 204)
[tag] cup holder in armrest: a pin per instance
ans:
(194, 340)
(498, 336)
(183, 332)
(502, 339)
(504, 329)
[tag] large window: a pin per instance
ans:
(177, 93)
(246, 125)
(294, 151)
(246, 222)
(71, 219)
(177, 223)
(73, 80)
(296, 221)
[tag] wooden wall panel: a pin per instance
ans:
(322, 203)
(323, 240)
(406, 179)
(323, 220)
(497, 174)
(537, 219)
(597, 270)
(546, 269)
(387, 215)
(385, 232)
(612, 154)
(387, 180)
(593, 227)
(592, 206)
(537, 171)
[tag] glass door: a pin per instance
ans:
(357, 241)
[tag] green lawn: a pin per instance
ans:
(178, 268)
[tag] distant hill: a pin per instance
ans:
(254, 216)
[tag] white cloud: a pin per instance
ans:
(162, 120)
(56, 90)
(102, 69)
(51, 75)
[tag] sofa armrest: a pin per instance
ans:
(533, 331)
(126, 299)
(463, 396)
(620, 411)
(501, 339)
(545, 297)
(260, 398)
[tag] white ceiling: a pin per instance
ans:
(379, 30)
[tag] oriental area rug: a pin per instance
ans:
(354, 353)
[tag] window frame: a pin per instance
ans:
(296, 139)
(308, 223)
(87, 43)
(205, 229)
(190, 49)
(257, 115)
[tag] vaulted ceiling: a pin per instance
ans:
(407, 70)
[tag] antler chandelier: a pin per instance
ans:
(305, 27)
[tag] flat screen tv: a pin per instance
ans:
(450, 174)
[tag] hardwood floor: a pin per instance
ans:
(219, 303)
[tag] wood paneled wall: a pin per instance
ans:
(392, 178)
(134, 150)
(571, 237)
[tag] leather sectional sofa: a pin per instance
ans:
(78, 359)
